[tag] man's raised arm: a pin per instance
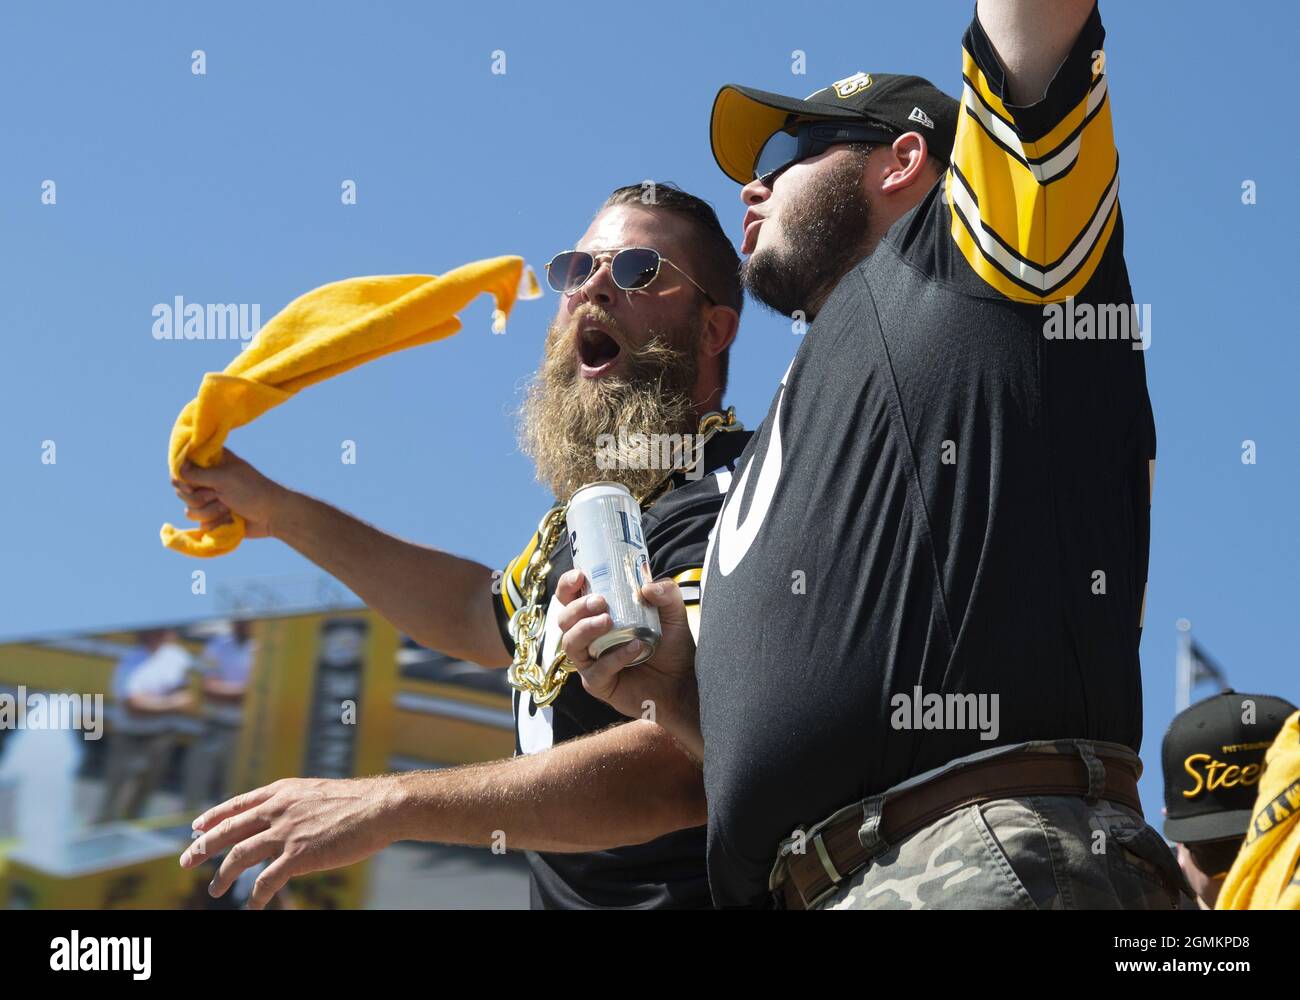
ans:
(1032, 39)
(440, 600)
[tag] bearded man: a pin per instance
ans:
(637, 355)
(949, 714)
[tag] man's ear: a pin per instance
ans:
(910, 155)
(720, 327)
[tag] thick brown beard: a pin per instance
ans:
(827, 232)
(563, 413)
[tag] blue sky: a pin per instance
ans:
(226, 188)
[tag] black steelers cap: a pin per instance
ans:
(1212, 760)
(743, 118)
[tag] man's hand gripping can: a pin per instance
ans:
(604, 524)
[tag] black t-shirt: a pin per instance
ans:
(668, 871)
(943, 494)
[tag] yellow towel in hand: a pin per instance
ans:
(1265, 874)
(318, 335)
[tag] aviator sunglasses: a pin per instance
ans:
(632, 268)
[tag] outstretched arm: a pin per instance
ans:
(438, 599)
(624, 785)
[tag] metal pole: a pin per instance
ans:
(1183, 670)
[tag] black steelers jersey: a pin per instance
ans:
(668, 871)
(950, 495)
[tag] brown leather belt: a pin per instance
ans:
(836, 849)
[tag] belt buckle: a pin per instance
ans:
(790, 846)
(780, 871)
(832, 872)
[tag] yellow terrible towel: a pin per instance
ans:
(1265, 875)
(319, 335)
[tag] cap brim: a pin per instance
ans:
(744, 118)
(1212, 826)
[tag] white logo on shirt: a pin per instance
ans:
(735, 539)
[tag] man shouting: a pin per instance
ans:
(650, 304)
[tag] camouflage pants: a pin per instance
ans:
(1049, 852)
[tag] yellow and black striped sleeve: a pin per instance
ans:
(688, 581)
(1033, 191)
(508, 591)
(677, 535)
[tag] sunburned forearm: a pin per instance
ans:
(625, 785)
(440, 600)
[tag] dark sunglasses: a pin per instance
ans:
(632, 269)
(785, 148)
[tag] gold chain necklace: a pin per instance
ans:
(527, 625)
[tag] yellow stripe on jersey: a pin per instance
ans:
(506, 601)
(1032, 218)
(689, 582)
(512, 579)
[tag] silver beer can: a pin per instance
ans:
(604, 524)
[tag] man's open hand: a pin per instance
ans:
(301, 825)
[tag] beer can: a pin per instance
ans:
(604, 525)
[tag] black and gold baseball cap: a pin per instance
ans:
(1213, 755)
(743, 118)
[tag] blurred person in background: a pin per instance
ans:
(150, 715)
(225, 664)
